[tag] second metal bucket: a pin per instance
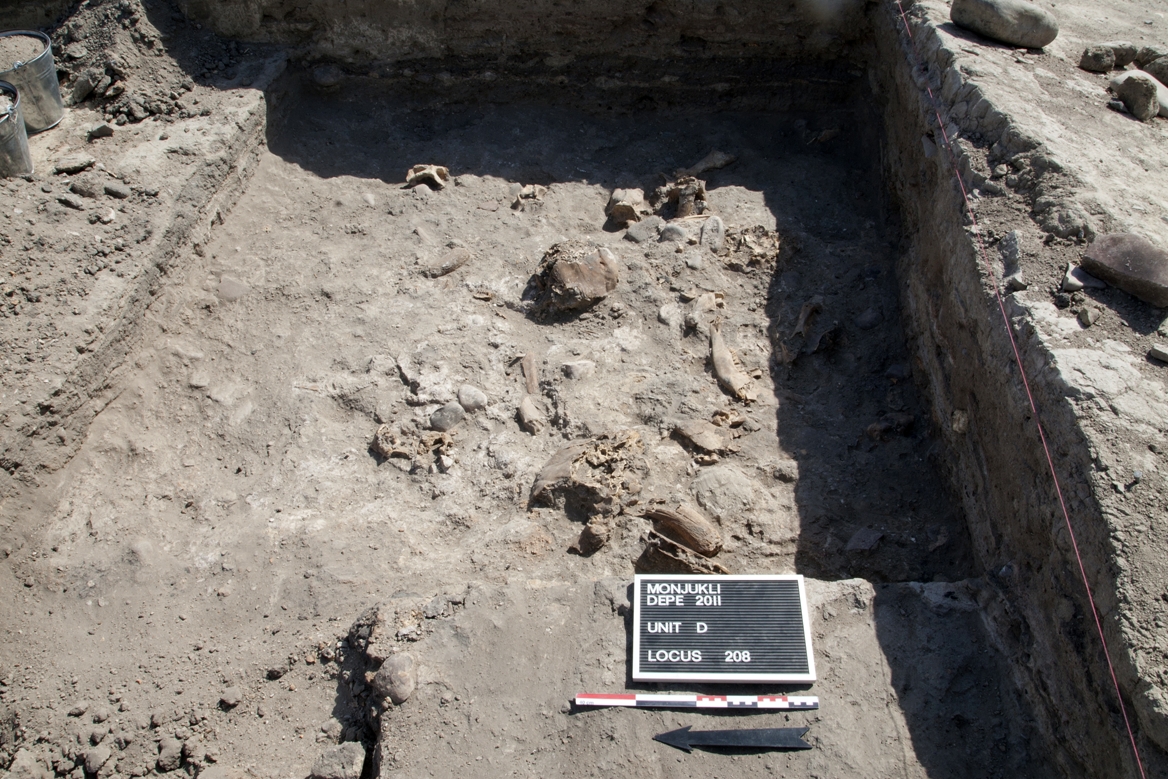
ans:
(37, 81)
(14, 156)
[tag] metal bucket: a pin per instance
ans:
(37, 82)
(14, 156)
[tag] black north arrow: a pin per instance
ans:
(757, 738)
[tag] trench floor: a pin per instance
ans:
(226, 510)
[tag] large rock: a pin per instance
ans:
(1117, 85)
(397, 678)
(1140, 94)
(574, 275)
(1013, 22)
(1158, 69)
(1131, 263)
(340, 762)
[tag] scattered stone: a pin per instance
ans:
(73, 163)
(231, 697)
(530, 417)
(86, 186)
(672, 233)
(593, 537)
(786, 471)
(713, 234)
(79, 708)
(450, 262)
(671, 314)
(96, 758)
(1159, 352)
(573, 275)
(26, 766)
(626, 206)
(102, 130)
(693, 260)
(369, 200)
(1131, 263)
(1015, 283)
(1158, 69)
(76, 51)
(1117, 85)
(864, 540)
(434, 175)
(231, 290)
(1124, 52)
(1088, 316)
(327, 77)
(645, 230)
(194, 751)
(344, 761)
(83, 86)
(1139, 95)
(1013, 22)
(712, 161)
(447, 417)
(1097, 59)
(1076, 279)
(1148, 54)
(687, 526)
(397, 678)
(702, 435)
(169, 754)
(578, 369)
(869, 319)
(72, 201)
(471, 398)
(101, 714)
(117, 190)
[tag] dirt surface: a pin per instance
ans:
(271, 418)
(18, 48)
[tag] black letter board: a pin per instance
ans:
(721, 629)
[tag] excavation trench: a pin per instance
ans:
(229, 483)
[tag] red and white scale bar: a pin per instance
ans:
(648, 701)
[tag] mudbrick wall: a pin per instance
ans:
(1042, 619)
(373, 30)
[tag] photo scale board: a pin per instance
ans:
(721, 629)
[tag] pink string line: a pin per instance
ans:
(1033, 405)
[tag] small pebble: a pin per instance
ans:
(673, 233)
(1088, 316)
(1159, 352)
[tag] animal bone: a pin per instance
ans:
(686, 526)
(728, 373)
(428, 174)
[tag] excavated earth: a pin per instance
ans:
(229, 330)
